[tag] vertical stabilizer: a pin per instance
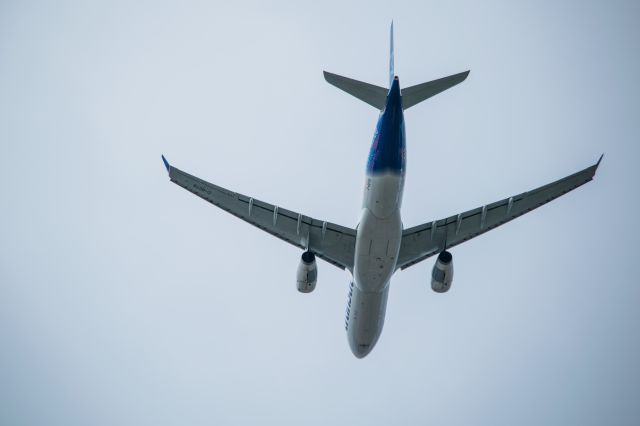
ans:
(392, 72)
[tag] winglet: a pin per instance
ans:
(595, 166)
(166, 163)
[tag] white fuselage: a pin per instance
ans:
(378, 238)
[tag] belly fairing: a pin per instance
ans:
(377, 246)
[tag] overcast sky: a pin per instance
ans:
(126, 300)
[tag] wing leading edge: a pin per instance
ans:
(423, 241)
(332, 243)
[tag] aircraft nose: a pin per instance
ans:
(361, 350)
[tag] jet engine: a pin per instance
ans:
(307, 275)
(442, 274)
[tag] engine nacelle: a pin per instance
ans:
(307, 275)
(442, 274)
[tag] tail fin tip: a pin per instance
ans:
(391, 55)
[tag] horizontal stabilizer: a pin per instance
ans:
(373, 95)
(415, 94)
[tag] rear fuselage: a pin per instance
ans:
(379, 230)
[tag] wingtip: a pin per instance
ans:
(594, 168)
(166, 163)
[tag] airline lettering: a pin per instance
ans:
(348, 311)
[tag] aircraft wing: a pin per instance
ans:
(423, 241)
(330, 242)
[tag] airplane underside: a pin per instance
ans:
(379, 245)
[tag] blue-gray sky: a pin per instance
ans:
(127, 300)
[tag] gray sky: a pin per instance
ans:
(127, 300)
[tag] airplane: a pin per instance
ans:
(379, 245)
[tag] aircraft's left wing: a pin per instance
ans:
(423, 241)
(330, 242)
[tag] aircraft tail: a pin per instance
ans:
(376, 96)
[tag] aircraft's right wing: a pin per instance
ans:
(330, 242)
(423, 241)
